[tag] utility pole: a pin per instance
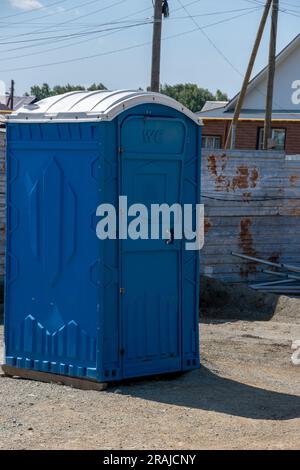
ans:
(10, 101)
(232, 132)
(271, 75)
(156, 46)
(161, 8)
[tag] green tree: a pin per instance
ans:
(191, 96)
(96, 87)
(40, 92)
(60, 90)
(44, 90)
(220, 96)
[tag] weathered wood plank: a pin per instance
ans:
(75, 382)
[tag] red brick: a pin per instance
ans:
(247, 133)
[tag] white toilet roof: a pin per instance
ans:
(93, 106)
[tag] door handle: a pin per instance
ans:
(170, 239)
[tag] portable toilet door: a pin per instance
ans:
(100, 309)
(152, 155)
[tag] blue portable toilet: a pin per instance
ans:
(75, 305)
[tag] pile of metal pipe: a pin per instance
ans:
(289, 282)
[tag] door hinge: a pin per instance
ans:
(122, 290)
(122, 352)
(120, 150)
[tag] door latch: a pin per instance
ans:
(170, 239)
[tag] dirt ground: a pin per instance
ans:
(245, 396)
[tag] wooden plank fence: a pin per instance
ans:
(252, 206)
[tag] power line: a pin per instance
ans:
(43, 7)
(200, 28)
(215, 13)
(78, 59)
(70, 20)
(236, 10)
(74, 43)
(75, 19)
(69, 36)
(63, 24)
(52, 49)
(38, 30)
(281, 9)
(53, 13)
(63, 36)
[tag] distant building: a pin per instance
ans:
(217, 116)
(19, 101)
(3, 108)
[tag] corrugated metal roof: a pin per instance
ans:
(19, 101)
(221, 113)
(103, 105)
(210, 105)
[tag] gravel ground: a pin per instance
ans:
(246, 396)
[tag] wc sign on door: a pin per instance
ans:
(296, 92)
(152, 136)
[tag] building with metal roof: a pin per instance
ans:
(19, 101)
(286, 109)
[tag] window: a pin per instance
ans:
(278, 135)
(211, 142)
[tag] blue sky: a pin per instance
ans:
(36, 32)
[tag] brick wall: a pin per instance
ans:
(247, 133)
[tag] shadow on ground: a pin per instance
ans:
(205, 390)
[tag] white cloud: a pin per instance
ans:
(26, 4)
